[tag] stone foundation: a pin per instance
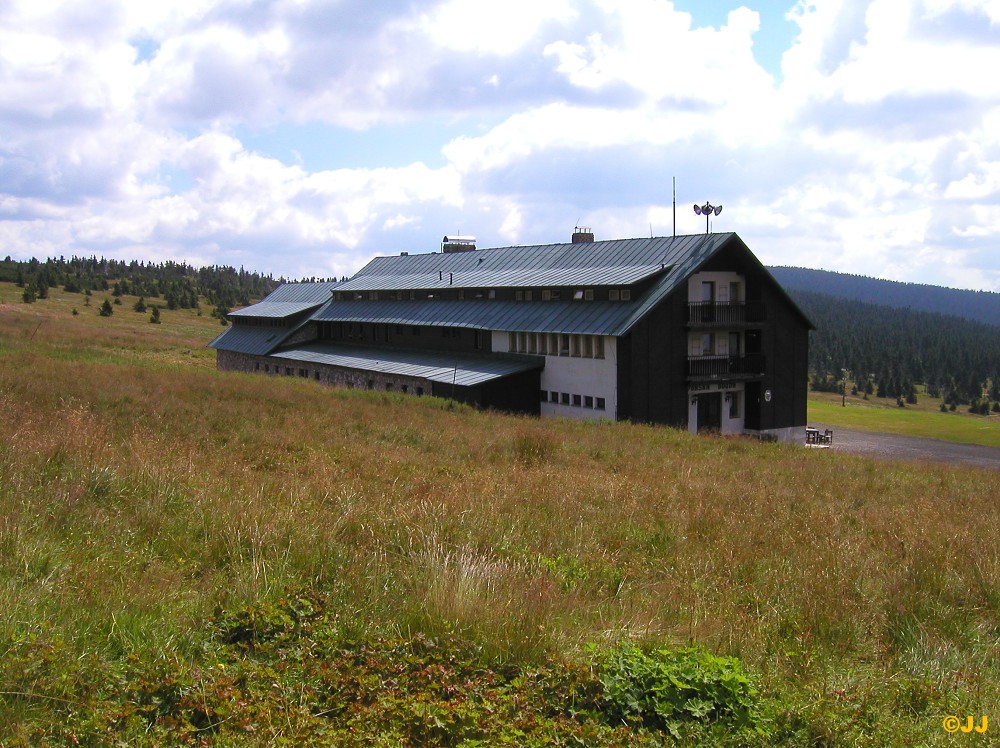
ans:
(334, 376)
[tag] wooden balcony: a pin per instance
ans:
(711, 368)
(725, 314)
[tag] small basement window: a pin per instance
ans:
(599, 403)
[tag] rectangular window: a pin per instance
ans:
(554, 396)
(588, 401)
(491, 294)
(522, 342)
(543, 339)
(564, 398)
(546, 295)
(577, 347)
(267, 368)
(734, 292)
(532, 342)
(556, 295)
(600, 404)
(613, 295)
(371, 384)
(734, 404)
(708, 344)
(577, 400)
(405, 388)
(598, 347)
(553, 344)
(512, 342)
(373, 296)
(564, 344)
(388, 386)
(588, 346)
(527, 295)
(420, 391)
(256, 366)
(734, 344)
(578, 295)
(588, 295)
(626, 294)
(543, 396)
(707, 292)
(461, 295)
(519, 296)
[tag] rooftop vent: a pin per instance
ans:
(582, 235)
(458, 244)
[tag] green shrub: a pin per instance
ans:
(664, 689)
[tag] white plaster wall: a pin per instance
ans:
(593, 377)
(721, 280)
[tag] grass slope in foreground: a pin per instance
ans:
(189, 557)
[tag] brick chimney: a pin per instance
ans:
(582, 235)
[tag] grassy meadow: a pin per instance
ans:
(925, 418)
(190, 557)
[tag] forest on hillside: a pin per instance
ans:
(888, 351)
(179, 285)
(982, 306)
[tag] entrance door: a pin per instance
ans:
(710, 412)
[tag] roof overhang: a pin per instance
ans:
(462, 370)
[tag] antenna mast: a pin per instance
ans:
(675, 207)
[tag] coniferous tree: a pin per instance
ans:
(106, 309)
(155, 316)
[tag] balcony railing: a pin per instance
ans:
(749, 365)
(725, 313)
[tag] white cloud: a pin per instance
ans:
(876, 152)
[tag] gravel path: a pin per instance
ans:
(915, 448)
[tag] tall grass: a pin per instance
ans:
(138, 495)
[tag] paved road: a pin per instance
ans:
(913, 448)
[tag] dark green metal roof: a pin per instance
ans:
(581, 317)
(288, 300)
(623, 275)
(673, 258)
(464, 370)
(528, 261)
(248, 339)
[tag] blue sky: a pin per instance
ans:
(303, 137)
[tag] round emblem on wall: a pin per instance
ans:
(767, 396)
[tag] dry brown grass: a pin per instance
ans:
(137, 495)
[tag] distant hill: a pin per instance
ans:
(981, 306)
